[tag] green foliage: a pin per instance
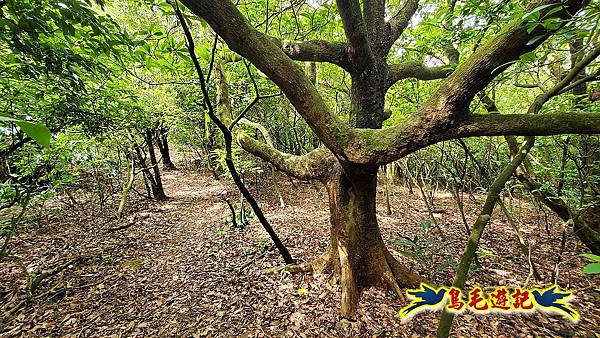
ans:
(426, 249)
(592, 268)
(241, 221)
(40, 133)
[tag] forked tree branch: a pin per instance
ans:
(227, 136)
(399, 22)
(452, 99)
(356, 33)
(226, 20)
(446, 114)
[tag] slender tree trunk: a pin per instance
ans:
(163, 147)
(493, 195)
(126, 188)
(157, 188)
(386, 188)
(586, 226)
(277, 189)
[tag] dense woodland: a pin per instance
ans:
(272, 168)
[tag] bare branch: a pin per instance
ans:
(317, 51)
(226, 20)
(264, 132)
(400, 21)
(565, 81)
(314, 165)
(413, 69)
(590, 78)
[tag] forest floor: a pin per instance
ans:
(177, 270)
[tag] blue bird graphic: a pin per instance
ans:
(552, 299)
(425, 296)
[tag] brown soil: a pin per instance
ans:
(178, 271)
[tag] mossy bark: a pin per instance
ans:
(358, 254)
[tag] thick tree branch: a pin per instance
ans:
(314, 165)
(356, 33)
(379, 147)
(413, 69)
(399, 22)
(241, 37)
(317, 51)
(446, 114)
(452, 99)
(529, 125)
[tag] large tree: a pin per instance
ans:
(352, 153)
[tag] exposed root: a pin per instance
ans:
(391, 274)
(391, 281)
(404, 277)
(317, 265)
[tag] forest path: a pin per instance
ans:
(178, 271)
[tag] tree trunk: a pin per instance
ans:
(357, 253)
(157, 187)
(163, 147)
(126, 188)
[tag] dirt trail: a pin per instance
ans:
(179, 272)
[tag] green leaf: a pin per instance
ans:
(528, 57)
(534, 14)
(534, 40)
(531, 27)
(592, 269)
(591, 256)
(37, 131)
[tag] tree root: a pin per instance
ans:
(391, 275)
(404, 277)
(318, 265)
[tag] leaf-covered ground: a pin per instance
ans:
(178, 271)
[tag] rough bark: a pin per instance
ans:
(336, 53)
(357, 255)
